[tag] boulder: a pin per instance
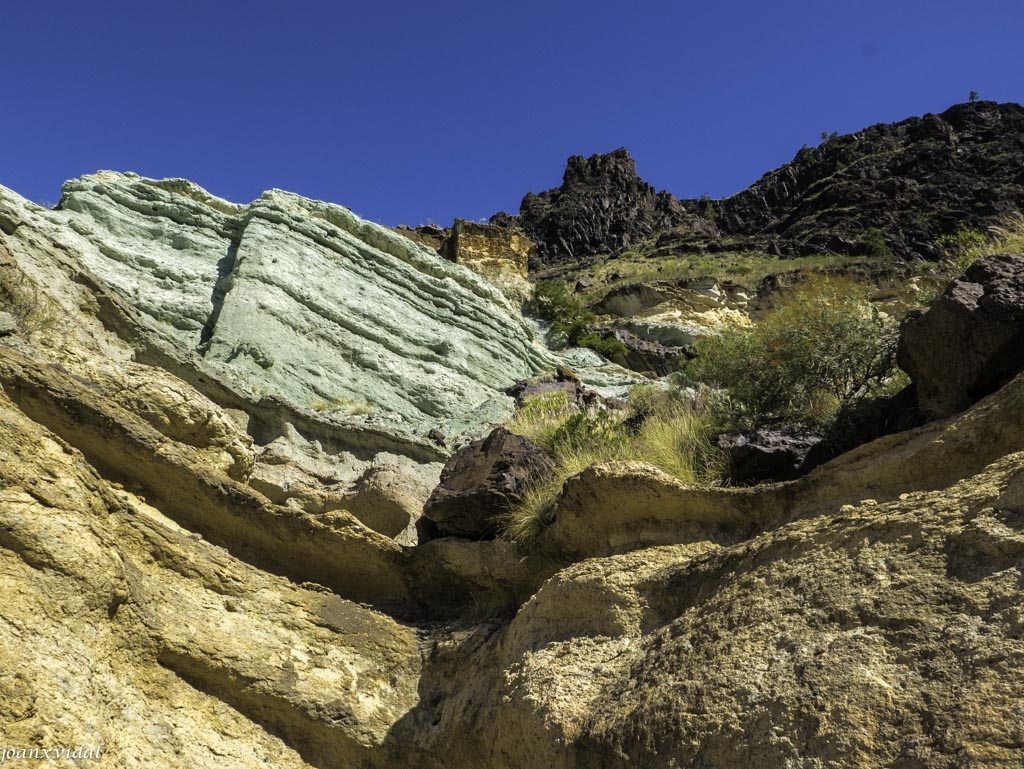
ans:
(483, 481)
(773, 453)
(971, 341)
(499, 254)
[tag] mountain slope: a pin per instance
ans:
(889, 189)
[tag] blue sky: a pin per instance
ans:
(409, 112)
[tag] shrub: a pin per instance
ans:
(33, 310)
(553, 301)
(824, 349)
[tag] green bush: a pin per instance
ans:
(824, 349)
(555, 302)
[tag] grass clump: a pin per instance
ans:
(664, 428)
(964, 247)
(824, 349)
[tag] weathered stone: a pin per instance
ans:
(773, 453)
(483, 481)
(971, 340)
(429, 235)
(601, 206)
(8, 325)
(529, 389)
(500, 254)
(645, 355)
(303, 301)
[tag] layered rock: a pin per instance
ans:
(500, 254)
(306, 302)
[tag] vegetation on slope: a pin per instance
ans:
(669, 429)
(819, 352)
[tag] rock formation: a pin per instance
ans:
(500, 254)
(482, 482)
(199, 574)
(971, 340)
(602, 205)
(889, 190)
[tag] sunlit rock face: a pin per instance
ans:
(307, 302)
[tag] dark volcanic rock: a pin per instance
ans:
(528, 389)
(601, 206)
(888, 191)
(891, 188)
(971, 341)
(483, 481)
(772, 453)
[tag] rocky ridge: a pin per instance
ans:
(888, 190)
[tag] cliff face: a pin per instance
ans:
(198, 575)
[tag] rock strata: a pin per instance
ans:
(500, 254)
(303, 301)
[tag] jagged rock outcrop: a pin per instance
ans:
(889, 190)
(602, 205)
(971, 340)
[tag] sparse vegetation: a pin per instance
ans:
(33, 310)
(556, 303)
(965, 246)
(665, 428)
(822, 350)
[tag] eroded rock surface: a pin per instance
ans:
(304, 301)
(171, 605)
(500, 254)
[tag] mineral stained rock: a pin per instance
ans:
(304, 301)
(183, 584)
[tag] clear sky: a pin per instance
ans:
(409, 112)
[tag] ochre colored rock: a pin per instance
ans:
(500, 254)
